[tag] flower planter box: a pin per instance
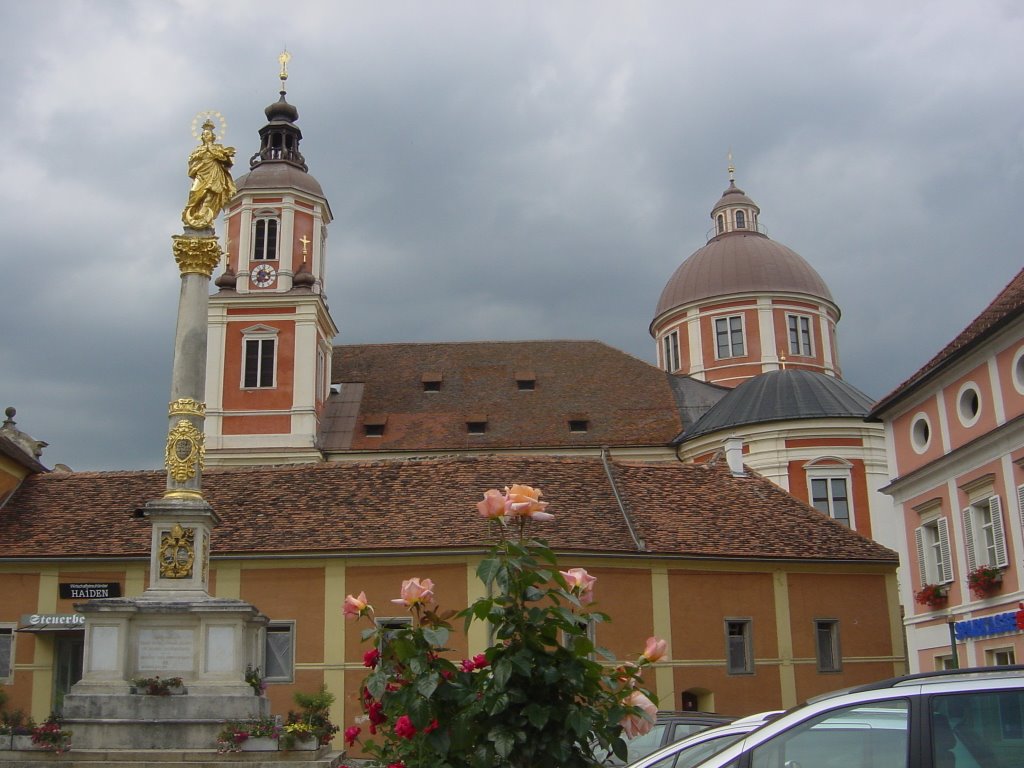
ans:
(23, 742)
(177, 690)
(5, 741)
(258, 744)
(307, 744)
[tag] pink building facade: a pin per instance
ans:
(955, 440)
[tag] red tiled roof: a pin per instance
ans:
(429, 505)
(625, 401)
(1007, 306)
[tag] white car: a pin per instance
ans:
(968, 718)
(698, 747)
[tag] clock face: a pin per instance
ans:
(263, 275)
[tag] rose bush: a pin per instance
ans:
(543, 695)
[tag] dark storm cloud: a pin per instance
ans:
(501, 171)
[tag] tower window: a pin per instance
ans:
(800, 335)
(831, 496)
(721, 223)
(670, 350)
(729, 336)
(264, 239)
(741, 220)
(259, 363)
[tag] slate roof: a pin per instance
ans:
(782, 395)
(1004, 309)
(623, 400)
(428, 506)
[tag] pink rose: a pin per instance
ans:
(655, 649)
(580, 583)
(371, 658)
(493, 505)
(404, 727)
(355, 606)
(638, 724)
(351, 734)
(416, 592)
(524, 501)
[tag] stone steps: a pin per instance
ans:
(171, 758)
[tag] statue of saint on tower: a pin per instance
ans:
(212, 185)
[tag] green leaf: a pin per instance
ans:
(537, 714)
(425, 686)
(436, 637)
(488, 569)
(502, 672)
(579, 720)
(500, 704)
(376, 685)
(503, 739)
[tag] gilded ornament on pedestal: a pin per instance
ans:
(186, 406)
(177, 552)
(196, 255)
(185, 450)
(212, 186)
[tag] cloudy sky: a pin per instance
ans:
(514, 170)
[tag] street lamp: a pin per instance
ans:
(951, 623)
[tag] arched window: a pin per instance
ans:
(264, 239)
(741, 220)
(721, 223)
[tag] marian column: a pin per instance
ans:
(175, 629)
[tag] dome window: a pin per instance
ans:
(670, 351)
(741, 220)
(968, 404)
(721, 223)
(920, 433)
(1018, 370)
(729, 336)
(800, 335)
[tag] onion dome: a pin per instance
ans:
(226, 280)
(303, 278)
(279, 163)
(783, 395)
(739, 259)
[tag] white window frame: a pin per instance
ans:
(279, 629)
(7, 656)
(800, 326)
(934, 559)
(746, 639)
(1000, 657)
(834, 649)
(265, 218)
(670, 351)
(984, 534)
(729, 331)
(261, 334)
(828, 473)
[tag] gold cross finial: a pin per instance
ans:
(305, 241)
(284, 58)
(782, 360)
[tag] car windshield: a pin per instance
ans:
(695, 754)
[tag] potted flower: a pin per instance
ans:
(299, 736)
(314, 715)
(257, 735)
(21, 728)
(255, 679)
(49, 736)
(932, 595)
(155, 686)
(5, 736)
(985, 580)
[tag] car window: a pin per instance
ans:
(861, 736)
(698, 753)
(644, 745)
(980, 729)
(681, 730)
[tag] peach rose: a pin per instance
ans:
(524, 501)
(638, 724)
(655, 649)
(493, 505)
(355, 606)
(580, 583)
(416, 592)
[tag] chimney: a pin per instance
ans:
(734, 455)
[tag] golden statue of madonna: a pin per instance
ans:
(212, 185)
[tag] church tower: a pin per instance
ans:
(744, 304)
(270, 330)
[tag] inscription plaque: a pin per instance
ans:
(166, 649)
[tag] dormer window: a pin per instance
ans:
(264, 239)
(741, 220)
(476, 424)
(578, 425)
(431, 381)
(526, 381)
(374, 423)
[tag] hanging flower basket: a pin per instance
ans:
(985, 580)
(933, 595)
